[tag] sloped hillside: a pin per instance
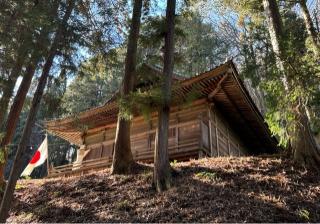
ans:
(247, 189)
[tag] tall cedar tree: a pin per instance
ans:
(310, 28)
(304, 148)
(17, 105)
(122, 156)
(13, 76)
(17, 163)
(8, 90)
(22, 43)
(162, 171)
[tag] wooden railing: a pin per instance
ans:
(175, 151)
(191, 147)
(78, 168)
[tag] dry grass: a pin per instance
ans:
(245, 189)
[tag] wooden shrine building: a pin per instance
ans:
(212, 114)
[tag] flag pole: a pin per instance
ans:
(48, 166)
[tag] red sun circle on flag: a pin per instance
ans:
(35, 158)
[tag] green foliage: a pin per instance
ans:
(147, 175)
(19, 186)
(152, 39)
(97, 80)
(27, 178)
(260, 65)
(148, 97)
(57, 194)
(192, 95)
(78, 124)
(123, 205)
(20, 23)
(173, 163)
(304, 214)
(2, 156)
(202, 48)
(274, 120)
(141, 101)
(25, 216)
(207, 176)
(198, 46)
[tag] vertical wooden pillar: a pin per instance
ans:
(228, 141)
(200, 137)
(210, 129)
(155, 142)
(150, 135)
(80, 155)
(217, 135)
(81, 151)
(105, 135)
(177, 133)
(101, 153)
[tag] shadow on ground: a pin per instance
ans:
(209, 190)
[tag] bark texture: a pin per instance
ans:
(17, 105)
(162, 171)
(13, 117)
(17, 165)
(122, 155)
(5, 98)
(304, 148)
(310, 28)
(4, 104)
(273, 18)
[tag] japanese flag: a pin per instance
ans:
(38, 158)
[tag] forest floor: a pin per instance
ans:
(245, 189)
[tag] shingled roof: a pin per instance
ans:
(221, 85)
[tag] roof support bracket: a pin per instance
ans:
(219, 86)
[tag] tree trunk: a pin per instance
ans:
(122, 156)
(310, 28)
(275, 31)
(305, 149)
(21, 56)
(17, 164)
(5, 98)
(316, 19)
(13, 117)
(302, 141)
(9, 88)
(16, 107)
(162, 172)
